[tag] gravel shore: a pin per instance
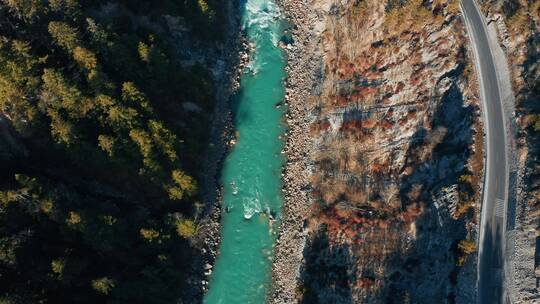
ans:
(303, 62)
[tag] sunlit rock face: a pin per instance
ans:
(398, 155)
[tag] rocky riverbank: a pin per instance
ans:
(228, 66)
(303, 64)
(222, 139)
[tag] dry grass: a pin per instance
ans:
(412, 16)
(519, 23)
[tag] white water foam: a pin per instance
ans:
(251, 207)
(252, 204)
(262, 15)
(234, 188)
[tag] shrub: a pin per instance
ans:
(300, 291)
(186, 228)
(103, 285)
(149, 234)
(518, 22)
(58, 266)
(532, 120)
(182, 184)
(205, 9)
(467, 246)
(73, 218)
(463, 208)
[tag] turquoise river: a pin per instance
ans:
(251, 173)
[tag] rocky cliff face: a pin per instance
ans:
(397, 155)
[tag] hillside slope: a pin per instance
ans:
(104, 117)
(395, 154)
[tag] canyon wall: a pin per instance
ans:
(395, 154)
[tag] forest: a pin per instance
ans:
(99, 161)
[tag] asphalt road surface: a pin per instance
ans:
(495, 194)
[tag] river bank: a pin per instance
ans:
(303, 62)
(222, 140)
(234, 56)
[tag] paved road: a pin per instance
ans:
(495, 195)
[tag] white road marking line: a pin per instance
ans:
(499, 208)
